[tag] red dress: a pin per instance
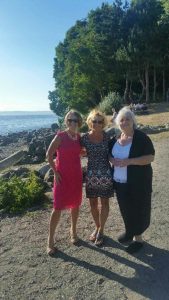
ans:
(68, 193)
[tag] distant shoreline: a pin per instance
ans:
(26, 112)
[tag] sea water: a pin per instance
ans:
(11, 122)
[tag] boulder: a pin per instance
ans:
(19, 172)
(43, 170)
(49, 177)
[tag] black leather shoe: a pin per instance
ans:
(134, 247)
(125, 239)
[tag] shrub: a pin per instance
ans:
(112, 100)
(16, 195)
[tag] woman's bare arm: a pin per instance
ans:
(137, 161)
(54, 145)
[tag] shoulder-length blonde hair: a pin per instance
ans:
(93, 114)
(76, 114)
(125, 112)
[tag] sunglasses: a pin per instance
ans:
(73, 120)
(97, 122)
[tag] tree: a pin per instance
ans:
(116, 48)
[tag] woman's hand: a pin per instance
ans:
(117, 162)
(121, 162)
(57, 177)
(83, 152)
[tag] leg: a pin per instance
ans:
(104, 212)
(124, 201)
(74, 218)
(95, 213)
(138, 238)
(141, 220)
(54, 220)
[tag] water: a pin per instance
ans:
(20, 121)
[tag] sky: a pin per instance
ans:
(29, 32)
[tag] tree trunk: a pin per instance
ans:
(131, 93)
(164, 89)
(143, 89)
(126, 92)
(155, 85)
(147, 83)
(142, 81)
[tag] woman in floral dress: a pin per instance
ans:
(98, 178)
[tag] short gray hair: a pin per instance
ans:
(125, 112)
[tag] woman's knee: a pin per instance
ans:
(56, 212)
(93, 203)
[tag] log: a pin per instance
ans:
(11, 160)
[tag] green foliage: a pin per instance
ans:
(56, 105)
(112, 100)
(84, 127)
(16, 195)
(112, 50)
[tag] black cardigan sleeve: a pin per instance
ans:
(148, 146)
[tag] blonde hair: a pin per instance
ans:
(125, 112)
(93, 114)
(76, 114)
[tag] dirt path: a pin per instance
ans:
(84, 271)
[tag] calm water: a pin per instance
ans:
(18, 121)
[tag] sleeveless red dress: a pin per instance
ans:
(68, 193)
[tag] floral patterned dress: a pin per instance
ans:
(99, 181)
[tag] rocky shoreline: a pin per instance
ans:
(36, 142)
(33, 142)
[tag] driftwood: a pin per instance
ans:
(11, 160)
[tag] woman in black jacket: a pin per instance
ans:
(131, 155)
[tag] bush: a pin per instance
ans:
(16, 195)
(112, 100)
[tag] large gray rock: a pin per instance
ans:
(38, 146)
(49, 177)
(21, 172)
(43, 170)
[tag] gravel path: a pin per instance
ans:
(85, 271)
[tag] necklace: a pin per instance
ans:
(72, 137)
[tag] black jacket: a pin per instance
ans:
(139, 176)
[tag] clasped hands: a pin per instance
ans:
(117, 162)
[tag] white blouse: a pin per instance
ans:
(121, 152)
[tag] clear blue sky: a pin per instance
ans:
(29, 32)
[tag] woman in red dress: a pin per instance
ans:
(67, 190)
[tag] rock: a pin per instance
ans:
(11, 160)
(43, 170)
(19, 172)
(54, 127)
(38, 146)
(153, 129)
(112, 131)
(49, 177)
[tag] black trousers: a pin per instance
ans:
(135, 208)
